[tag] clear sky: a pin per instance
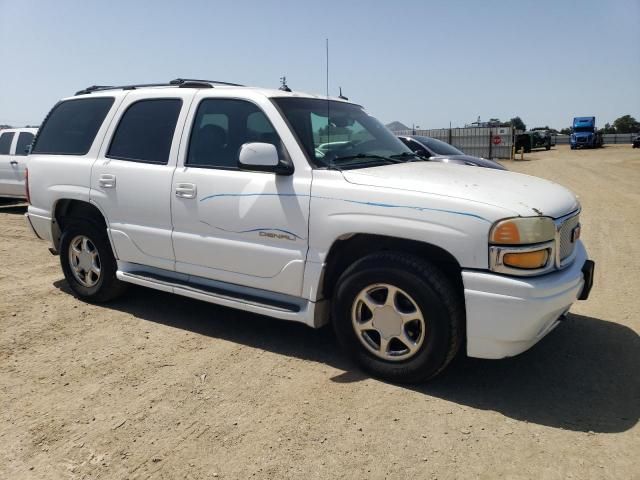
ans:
(414, 61)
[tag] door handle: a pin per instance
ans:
(107, 180)
(185, 190)
(14, 163)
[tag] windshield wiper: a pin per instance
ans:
(346, 158)
(404, 155)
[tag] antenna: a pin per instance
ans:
(283, 84)
(328, 103)
(342, 97)
(327, 50)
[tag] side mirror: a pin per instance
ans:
(262, 157)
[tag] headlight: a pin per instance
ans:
(522, 246)
(522, 231)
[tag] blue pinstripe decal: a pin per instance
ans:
(373, 204)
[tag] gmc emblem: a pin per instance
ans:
(575, 234)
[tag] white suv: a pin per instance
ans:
(14, 148)
(223, 193)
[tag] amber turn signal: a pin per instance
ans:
(527, 260)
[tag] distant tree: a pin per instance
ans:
(565, 131)
(546, 127)
(626, 124)
(517, 123)
(608, 128)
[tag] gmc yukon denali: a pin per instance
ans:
(221, 193)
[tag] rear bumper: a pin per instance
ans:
(508, 315)
(40, 225)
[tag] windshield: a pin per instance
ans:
(438, 146)
(341, 133)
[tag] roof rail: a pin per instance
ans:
(178, 82)
(99, 88)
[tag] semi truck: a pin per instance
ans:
(584, 133)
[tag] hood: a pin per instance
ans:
(466, 159)
(523, 194)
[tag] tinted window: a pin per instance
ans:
(5, 142)
(71, 126)
(24, 140)
(145, 131)
(221, 127)
(439, 147)
(416, 147)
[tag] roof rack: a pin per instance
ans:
(178, 82)
(182, 81)
(99, 88)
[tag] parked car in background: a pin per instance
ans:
(636, 142)
(439, 151)
(14, 148)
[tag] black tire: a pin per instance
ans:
(107, 287)
(441, 304)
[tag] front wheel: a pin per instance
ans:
(398, 317)
(88, 263)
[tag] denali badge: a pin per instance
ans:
(279, 236)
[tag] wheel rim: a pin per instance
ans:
(388, 322)
(84, 261)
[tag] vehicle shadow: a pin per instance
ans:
(581, 377)
(11, 206)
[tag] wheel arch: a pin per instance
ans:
(346, 250)
(66, 208)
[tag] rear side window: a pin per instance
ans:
(5, 142)
(72, 126)
(145, 131)
(24, 140)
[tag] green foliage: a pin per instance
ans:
(626, 124)
(517, 123)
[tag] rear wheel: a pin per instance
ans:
(88, 263)
(398, 317)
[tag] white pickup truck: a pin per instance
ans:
(221, 193)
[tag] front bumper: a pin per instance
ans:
(507, 315)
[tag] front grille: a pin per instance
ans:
(565, 233)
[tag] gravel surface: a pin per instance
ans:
(159, 386)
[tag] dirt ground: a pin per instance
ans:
(159, 386)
